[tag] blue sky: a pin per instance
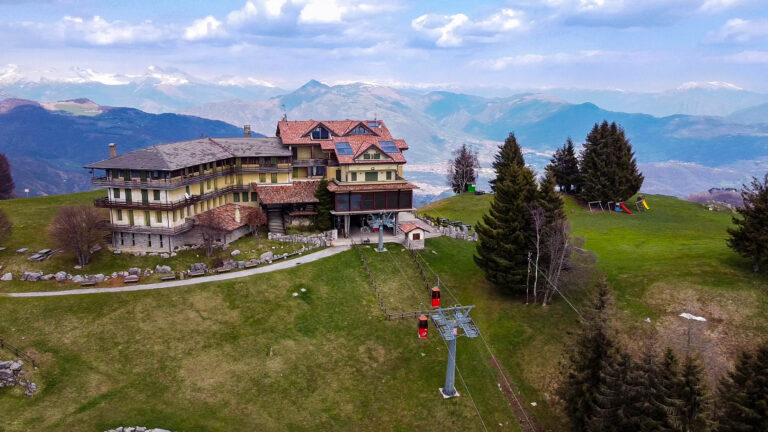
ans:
(646, 45)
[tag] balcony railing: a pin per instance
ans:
(105, 202)
(309, 162)
(186, 226)
(177, 182)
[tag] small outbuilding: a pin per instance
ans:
(414, 235)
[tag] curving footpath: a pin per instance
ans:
(315, 256)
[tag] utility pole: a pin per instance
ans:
(452, 323)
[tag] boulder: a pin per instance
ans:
(164, 255)
(98, 278)
(267, 256)
(235, 252)
(46, 277)
(31, 276)
(78, 267)
(114, 275)
(7, 277)
(147, 272)
(162, 269)
(117, 251)
(16, 366)
(152, 254)
(78, 279)
(134, 271)
(173, 254)
(240, 264)
(198, 267)
(60, 276)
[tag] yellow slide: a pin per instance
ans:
(645, 204)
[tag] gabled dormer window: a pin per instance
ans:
(360, 130)
(320, 133)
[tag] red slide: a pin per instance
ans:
(623, 207)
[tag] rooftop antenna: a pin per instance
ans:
(285, 113)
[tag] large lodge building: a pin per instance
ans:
(156, 195)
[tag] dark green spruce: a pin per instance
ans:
(742, 404)
(750, 235)
(565, 167)
(608, 166)
(505, 233)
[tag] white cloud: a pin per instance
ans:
(302, 11)
(585, 56)
(10, 74)
(740, 30)
(634, 13)
(458, 29)
(204, 28)
(98, 31)
(746, 57)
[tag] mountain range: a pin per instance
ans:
(680, 153)
(48, 147)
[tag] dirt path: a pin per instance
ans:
(315, 256)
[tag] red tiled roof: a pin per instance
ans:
(296, 193)
(298, 132)
(223, 217)
(410, 226)
(334, 187)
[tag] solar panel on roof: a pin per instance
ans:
(344, 149)
(388, 147)
(373, 124)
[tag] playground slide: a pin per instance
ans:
(623, 207)
(645, 204)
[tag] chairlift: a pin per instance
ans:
(435, 297)
(423, 327)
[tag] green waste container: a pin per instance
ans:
(470, 188)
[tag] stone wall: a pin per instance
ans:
(323, 239)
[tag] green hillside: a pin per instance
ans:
(661, 263)
(198, 358)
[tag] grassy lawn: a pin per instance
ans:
(198, 359)
(670, 260)
(31, 216)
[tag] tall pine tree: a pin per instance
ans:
(644, 410)
(693, 414)
(611, 400)
(549, 200)
(505, 232)
(565, 167)
(585, 358)
(608, 167)
(743, 394)
(750, 235)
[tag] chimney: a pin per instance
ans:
(247, 131)
(112, 150)
(237, 213)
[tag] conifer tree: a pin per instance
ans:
(549, 200)
(565, 167)
(585, 358)
(608, 170)
(670, 385)
(693, 414)
(505, 232)
(6, 181)
(750, 236)
(462, 168)
(610, 412)
(324, 219)
(644, 410)
(743, 394)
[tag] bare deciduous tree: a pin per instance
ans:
(462, 168)
(256, 219)
(210, 232)
(558, 250)
(539, 218)
(77, 229)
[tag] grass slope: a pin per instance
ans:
(240, 355)
(31, 216)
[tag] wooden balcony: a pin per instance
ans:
(105, 202)
(310, 162)
(178, 182)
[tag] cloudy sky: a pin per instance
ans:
(627, 44)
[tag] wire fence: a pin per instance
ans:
(17, 351)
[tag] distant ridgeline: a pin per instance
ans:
(48, 144)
